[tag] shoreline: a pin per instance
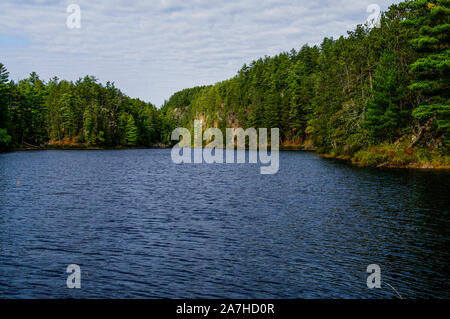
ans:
(387, 165)
(345, 158)
(80, 148)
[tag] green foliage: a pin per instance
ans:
(131, 132)
(346, 95)
(71, 113)
(433, 66)
(384, 116)
(5, 139)
(29, 111)
(400, 155)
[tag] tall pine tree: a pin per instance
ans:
(5, 138)
(383, 114)
(131, 132)
(432, 68)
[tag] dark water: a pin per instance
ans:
(140, 226)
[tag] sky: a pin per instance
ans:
(152, 48)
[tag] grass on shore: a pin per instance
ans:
(389, 155)
(398, 155)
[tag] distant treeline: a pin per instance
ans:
(83, 112)
(382, 85)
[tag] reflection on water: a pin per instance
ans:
(140, 226)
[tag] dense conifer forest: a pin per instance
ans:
(81, 113)
(377, 96)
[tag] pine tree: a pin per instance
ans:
(67, 116)
(89, 127)
(432, 69)
(383, 112)
(131, 132)
(5, 138)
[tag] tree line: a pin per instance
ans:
(388, 84)
(372, 86)
(84, 112)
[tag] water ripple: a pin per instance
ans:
(142, 227)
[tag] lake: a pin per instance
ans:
(140, 226)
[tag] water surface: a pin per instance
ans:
(140, 226)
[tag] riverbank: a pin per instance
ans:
(395, 156)
(80, 147)
(384, 155)
(157, 146)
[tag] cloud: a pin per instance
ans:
(151, 49)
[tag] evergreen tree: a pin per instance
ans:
(5, 138)
(344, 94)
(432, 68)
(89, 127)
(131, 132)
(383, 112)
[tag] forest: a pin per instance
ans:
(377, 96)
(84, 113)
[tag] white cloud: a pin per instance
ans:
(151, 49)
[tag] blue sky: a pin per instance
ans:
(153, 48)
